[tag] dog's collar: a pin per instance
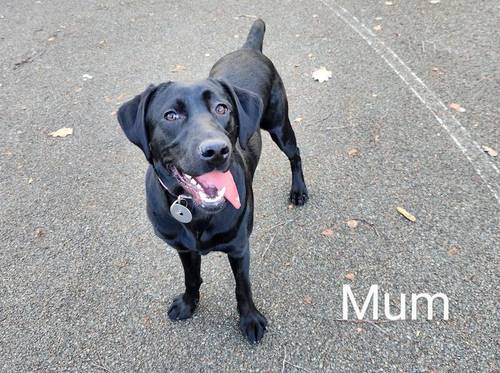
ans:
(179, 209)
(158, 176)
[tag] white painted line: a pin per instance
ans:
(483, 166)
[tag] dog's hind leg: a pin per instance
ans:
(277, 123)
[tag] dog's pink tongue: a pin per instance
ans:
(220, 180)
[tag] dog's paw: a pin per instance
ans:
(299, 196)
(180, 309)
(253, 326)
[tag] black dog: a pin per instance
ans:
(202, 141)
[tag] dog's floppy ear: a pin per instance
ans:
(249, 109)
(132, 115)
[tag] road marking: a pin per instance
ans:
(483, 166)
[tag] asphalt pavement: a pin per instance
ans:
(86, 285)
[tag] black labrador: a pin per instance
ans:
(202, 141)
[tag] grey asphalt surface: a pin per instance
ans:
(85, 284)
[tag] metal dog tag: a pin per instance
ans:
(180, 212)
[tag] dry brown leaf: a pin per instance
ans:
(456, 107)
(327, 232)
(178, 68)
(308, 299)
(353, 223)
(322, 74)
(121, 97)
(353, 152)
(491, 152)
(62, 132)
(406, 214)
(39, 232)
(349, 276)
(452, 251)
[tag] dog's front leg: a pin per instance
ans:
(252, 322)
(184, 304)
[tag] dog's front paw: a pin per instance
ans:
(299, 195)
(182, 309)
(253, 326)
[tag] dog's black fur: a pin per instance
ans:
(173, 122)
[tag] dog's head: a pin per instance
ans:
(189, 133)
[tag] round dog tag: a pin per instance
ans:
(180, 212)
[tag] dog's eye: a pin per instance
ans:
(171, 116)
(221, 109)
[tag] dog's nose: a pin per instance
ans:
(214, 151)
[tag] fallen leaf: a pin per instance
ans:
(87, 77)
(353, 223)
(178, 68)
(406, 214)
(377, 27)
(121, 97)
(353, 152)
(456, 107)
(308, 299)
(327, 232)
(349, 276)
(322, 74)
(453, 250)
(491, 152)
(62, 132)
(39, 232)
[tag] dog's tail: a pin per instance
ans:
(256, 35)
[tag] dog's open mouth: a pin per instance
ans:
(210, 190)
